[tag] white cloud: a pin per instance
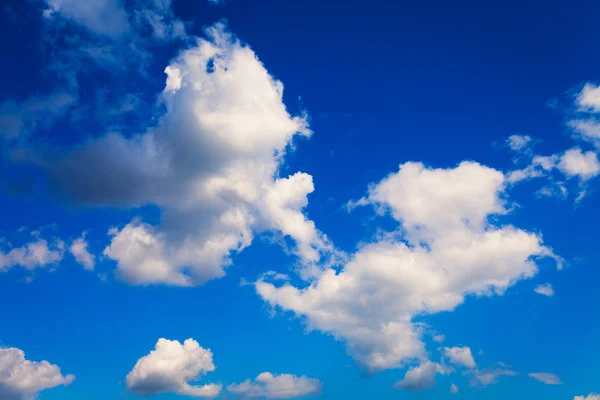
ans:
(453, 389)
(544, 289)
(79, 249)
(545, 377)
(490, 376)
(21, 379)
(170, 368)
(588, 130)
(518, 142)
(591, 396)
(283, 386)
(439, 338)
(421, 377)
(211, 165)
(447, 248)
(574, 162)
(36, 254)
(589, 98)
(460, 356)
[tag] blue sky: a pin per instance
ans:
(272, 199)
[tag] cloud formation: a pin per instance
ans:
(545, 377)
(544, 289)
(421, 377)
(489, 376)
(79, 249)
(21, 379)
(211, 165)
(283, 386)
(460, 356)
(35, 254)
(446, 248)
(170, 368)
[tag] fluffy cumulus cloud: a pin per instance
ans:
(79, 250)
(170, 368)
(589, 98)
(453, 389)
(545, 377)
(575, 162)
(38, 253)
(283, 386)
(21, 379)
(544, 289)
(421, 377)
(211, 165)
(460, 356)
(446, 247)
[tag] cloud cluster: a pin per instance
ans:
(283, 386)
(170, 368)
(211, 165)
(447, 247)
(38, 253)
(21, 379)
(572, 163)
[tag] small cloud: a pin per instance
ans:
(439, 338)
(460, 356)
(490, 376)
(547, 378)
(453, 389)
(273, 386)
(544, 289)
(79, 249)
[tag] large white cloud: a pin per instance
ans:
(274, 386)
(170, 368)
(446, 248)
(211, 164)
(21, 379)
